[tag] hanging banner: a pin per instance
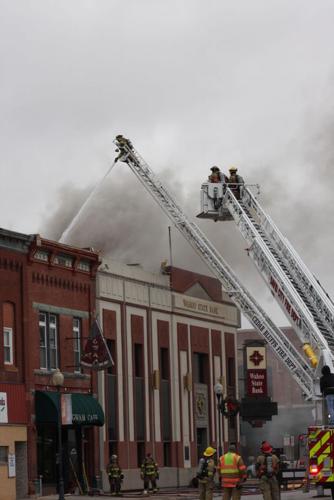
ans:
(66, 409)
(3, 408)
(96, 354)
(256, 371)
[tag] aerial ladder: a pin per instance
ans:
(301, 297)
(283, 348)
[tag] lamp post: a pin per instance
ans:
(58, 382)
(218, 389)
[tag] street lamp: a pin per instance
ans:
(58, 382)
(218, 389)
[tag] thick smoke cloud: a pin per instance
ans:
(124, 222)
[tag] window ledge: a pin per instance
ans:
(68, 375)
(10, 368)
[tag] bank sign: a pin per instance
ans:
(256, 371)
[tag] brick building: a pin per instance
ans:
(172, 336)
(47, 295)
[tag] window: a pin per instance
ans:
(84, 265)
(138, 360)
(8, 312)
(77, 344)
(41, 255)
(164, 363)
(230, 372)
(3, 455)
(8, 345)
(167, 455)
(48, 339)
(200, 368)
(63, 260)
(111, 370)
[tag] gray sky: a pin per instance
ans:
(192, 83)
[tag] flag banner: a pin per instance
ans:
(96, 355)
(66, 409)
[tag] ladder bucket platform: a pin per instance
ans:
(221, 214)
(212, 202)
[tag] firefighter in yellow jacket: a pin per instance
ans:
(149, 473)
(267, 469)
(232, 473)
(206, 473)
(115, 476)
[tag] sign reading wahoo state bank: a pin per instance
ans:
(256, 371)
(3, 408)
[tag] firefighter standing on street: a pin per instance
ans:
(267, 469)
(149, 474)
(115, 476)
(206, 473)
(232, 473)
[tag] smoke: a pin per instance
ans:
(121, 220)
(124, 222)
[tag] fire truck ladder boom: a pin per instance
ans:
(273, 258)
(277, 340)
(276, 275)
(307, 286)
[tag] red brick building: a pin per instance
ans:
(172, 336)
(47, 296)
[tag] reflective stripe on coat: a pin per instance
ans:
(232, 469)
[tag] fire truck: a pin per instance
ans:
(321, 456)
(300, 295)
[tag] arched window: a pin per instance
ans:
(8, 312)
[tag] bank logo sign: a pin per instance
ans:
(256, 371)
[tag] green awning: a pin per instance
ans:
(86, 410)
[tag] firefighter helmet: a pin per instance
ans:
(209, 451)
(113, 457)
(266, 447)
(214, 169)
(233, 169)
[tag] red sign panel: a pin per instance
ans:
(257, 382)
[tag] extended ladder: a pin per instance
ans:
(276, 275)
(277, 340)
(308, 288)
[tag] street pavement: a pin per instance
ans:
(193, 495)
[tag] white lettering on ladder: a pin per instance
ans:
(282, 298)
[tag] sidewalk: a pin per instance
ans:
(193, 495)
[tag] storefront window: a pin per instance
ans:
(3, 454)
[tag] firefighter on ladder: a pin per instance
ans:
(267, 469)
(149, 473)
(232, 473)
(205, 474)
(122, 143)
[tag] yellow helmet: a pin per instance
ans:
(209, 452)
(233, 169)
